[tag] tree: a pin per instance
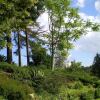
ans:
(75, 64)
(9, 49)
(95, 68)
(39, 54)
(60, 58)
(28, 21)
(65, 26)
(27, 48)
(6, 19)
(23, 22)
(35, 12)
(15, 14)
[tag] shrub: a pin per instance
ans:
(37, 84)
(97, 93)
(22, 74)
(78, 85)
(75, 85)
(89, 95)
(15, 96)
(3, 58)
(8, 67)
(13, 90)
(2, 98)
(52, 85)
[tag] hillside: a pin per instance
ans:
(25, 83)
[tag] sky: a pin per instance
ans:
(88, 45)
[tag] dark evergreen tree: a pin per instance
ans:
(95, 68)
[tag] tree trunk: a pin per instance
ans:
(19, 50)
(27, 48)
(9, 50)
(52, 61)
(52, 53)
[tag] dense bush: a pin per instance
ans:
(2, 98)
(51, 86)
(13, 90)
(75, 85)
(97, 93)
(37, 84)
(88, 95)
(8, 67)
(39, 55)
(82, 93)
(20, 73)
(78, 85)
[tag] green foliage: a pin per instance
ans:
(3, 58)
(87, 96)
(51, 86)
(65, 26)
(12, 89)
(2, 98)
(19, 73)
(97, 93)
(96, 27)
(7, 67)
(48, 85)
(60, 57)
(39, 55)
(37, 84)
(70, 93)
(78, 85)
(76, 64)
(14, 16)
(95, 68)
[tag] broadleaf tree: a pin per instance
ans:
(65, 27)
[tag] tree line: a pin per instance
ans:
(65, 27)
